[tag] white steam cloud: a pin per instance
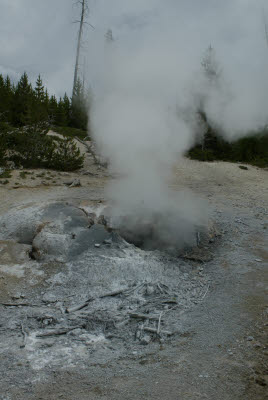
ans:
(147, 87)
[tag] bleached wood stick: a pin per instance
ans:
(143, 316)
(159, 323)
(79, 306)
(57, 332)
(111, 294)
(24, 336)
(153, 330)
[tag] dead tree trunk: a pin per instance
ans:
(266, 30)
(84, 7)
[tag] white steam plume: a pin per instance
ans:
(141, 81)
(136, 127)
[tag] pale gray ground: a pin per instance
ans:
(219, 349)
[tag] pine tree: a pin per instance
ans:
(52, 108)
(61, 117)
(67, 108)
(21, 112)
(210, 66)
(2, 94)
(6, 98)
(109, 36)
(46, 101)
(212, 74)
(39, 89)
(38, 106)
(79, 112)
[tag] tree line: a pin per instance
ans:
(210, 144)
(22, 104)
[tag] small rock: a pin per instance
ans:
(107, 241)
(258, 260)
(49, 342)
(257, 345)
(88, 173)
(75, 332)
(145, 340)
(250, 338)
(149, 290)
(102, 220)
(97, 245)
(203, 376)
(16, 297)
(75, 183)
(49, 298)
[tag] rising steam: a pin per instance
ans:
(144, 118)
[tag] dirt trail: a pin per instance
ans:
(222, 351)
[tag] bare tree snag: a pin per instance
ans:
(84, 9)
(265, 27)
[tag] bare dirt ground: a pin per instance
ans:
(221, 350)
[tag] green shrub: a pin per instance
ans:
(251, 149)
(5, 174)
(197, 153)
(23, 175)
(30, 147)
(71, 132)
(4, 128)
(66, 157)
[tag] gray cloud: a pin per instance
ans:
(38, 36)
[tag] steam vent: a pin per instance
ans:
(105, 277)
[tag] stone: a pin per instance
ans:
(88, 173)
(48, 246)
(54, 232)
(149, 290)
(12, 252)
(76, 183)
(145, 340)
(70, 218)
(102, 220)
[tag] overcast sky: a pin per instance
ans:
(39, 36)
